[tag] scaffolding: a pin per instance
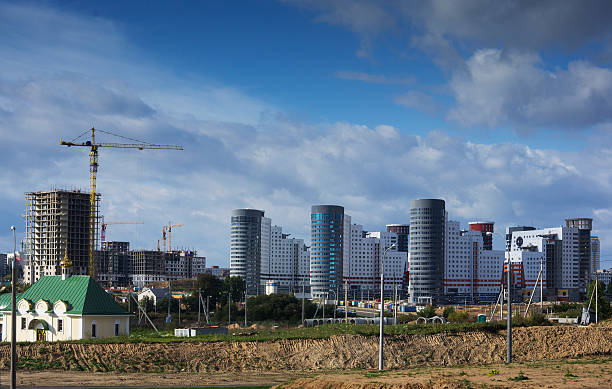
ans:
(54, 219)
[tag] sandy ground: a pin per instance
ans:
(316, 355)
(594, 373)
(61, 379)
(582, 373)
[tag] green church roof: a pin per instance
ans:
(82, 294)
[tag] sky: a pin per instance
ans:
(501, 108)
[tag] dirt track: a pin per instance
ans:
(339, 352)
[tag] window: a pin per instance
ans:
(94, 332)
(117, 329)
(60, 325)
(23, 323)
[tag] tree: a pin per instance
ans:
(448, 311)
(234, 285)
(603, 305)
(428, 311)
(609, 290)
(211, 286)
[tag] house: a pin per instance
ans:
(153, 294)
(64, 308)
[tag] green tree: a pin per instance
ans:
(609, 290)
(448, 311)
(603, 305)
(210, 286)
(236, 286)
(428, 311)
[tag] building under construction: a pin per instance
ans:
(113, 264)
(57, 219)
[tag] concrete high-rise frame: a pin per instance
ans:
(427, 239)
(54, 219)
(327, 249)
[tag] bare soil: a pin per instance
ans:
(594, 373)
(280, 360)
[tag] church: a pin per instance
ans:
(64, 308)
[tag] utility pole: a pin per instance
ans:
(394, 301)
(199, 303)
(246, 298)
(346, 301)
(542, 285)
(382, 307)
(229, 308)
(302, 302)
(14, 315)
(324, 298)
(509, 321)
(335, 303)
(596, 297)
(208, 310)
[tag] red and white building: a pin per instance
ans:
(471, 273)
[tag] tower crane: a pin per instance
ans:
(104, 224)
(93, 172)
(168, 228)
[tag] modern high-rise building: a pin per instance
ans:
(584, 225)
(510, 230)
(249, 239)
(327, 250)
(472, 273)
(403, 236)
(595, 254)
(427, 230)
(486, 229)
(288, 263)
(363, 261)
(56, 220)
(559, 247)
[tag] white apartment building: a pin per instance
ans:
(364, 251)
(284, 260)
(560, 249)
(526, 266)
(470, 272)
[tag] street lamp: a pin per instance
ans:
(13, 315)
(382, 307)
(509, 318)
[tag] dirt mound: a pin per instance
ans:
(338, 352)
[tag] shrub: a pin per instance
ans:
(460, 317)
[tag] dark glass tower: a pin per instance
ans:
(245, 247)
(427, 230)
(584, 225)
(403, 235)
(326, 252)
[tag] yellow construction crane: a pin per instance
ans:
(93, 171)
(168, 228)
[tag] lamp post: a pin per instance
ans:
(13, 315)
(382, 307)
(509, 318)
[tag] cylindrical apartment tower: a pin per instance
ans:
(486, 229)
(245, 247)
(403, 235)
(326, 252)
(427, 230)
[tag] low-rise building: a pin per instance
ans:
(64, 308)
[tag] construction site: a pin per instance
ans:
(59, 221)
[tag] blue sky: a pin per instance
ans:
(500, 108)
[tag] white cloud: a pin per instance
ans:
(262, 160)
(502, 87)
(375, 78)
(419, 101)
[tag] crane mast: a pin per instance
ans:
(93, 172)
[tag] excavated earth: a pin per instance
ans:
(338, 352)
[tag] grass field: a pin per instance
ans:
(319, 332)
